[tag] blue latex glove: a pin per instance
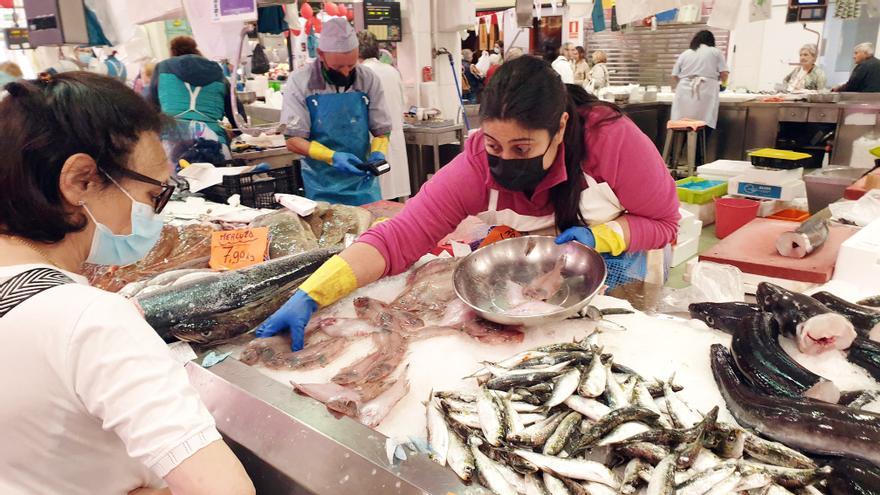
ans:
(346, 162)
(581, 234)
(376, 156)
(293, 316)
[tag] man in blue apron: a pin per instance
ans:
(335, 114)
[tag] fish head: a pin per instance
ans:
(705, 312)
(208, 335)
(770, 296)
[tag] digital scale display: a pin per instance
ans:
(806, 10)
(383, 20)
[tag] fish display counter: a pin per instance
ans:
(357, 409)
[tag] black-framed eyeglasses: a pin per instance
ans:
(159, 201)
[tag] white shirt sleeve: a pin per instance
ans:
(125, 377)
(722, 63)
(676, 69)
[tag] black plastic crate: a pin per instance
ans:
(256, 189)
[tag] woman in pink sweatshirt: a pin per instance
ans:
(549, 158)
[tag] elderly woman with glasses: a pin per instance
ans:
(807, 76)
(90, 392)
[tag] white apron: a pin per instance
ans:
(696, 97)
(598, 205)
(394, 184)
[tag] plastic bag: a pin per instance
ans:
(710, 282)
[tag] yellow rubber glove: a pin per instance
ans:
(320, 152)
(609, 239)
(331, 282)
(380, 144)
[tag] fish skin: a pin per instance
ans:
(731, 441)
(390, 349)
(865, 320)
(794, 312)
(646, 451)
(555, 486)
(680, 412)
(871, 302)
(438, 432)
(537, 434)
(786, 477)
(663, 479)
(488, 472)
(775, 453)
(726, 317)
(578, 469)
(228, 290)
(590, 408)
(760, 358)
(614, 393)
(614, 419)
(565, 386)
(594, 379)
(853, 477)
(373, 412)
(795, 421)
(534, 486)
(556, 442)
(865, 353)
(460, 458)
(703, 482)
(491, 414)
(631, 476)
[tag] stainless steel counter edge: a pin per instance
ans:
(302, 446)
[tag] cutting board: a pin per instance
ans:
(752, 249)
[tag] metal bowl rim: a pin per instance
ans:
(525, 319)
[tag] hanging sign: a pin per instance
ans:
(234, 10)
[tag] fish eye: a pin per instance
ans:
(206, 333)
(710, 320)
(768, 300)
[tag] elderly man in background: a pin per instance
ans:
(808, 76)
(865, 77)
(394, 184)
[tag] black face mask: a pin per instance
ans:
(339, 79)
(521, 174)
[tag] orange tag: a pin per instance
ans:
(231, 249)
(499, 233)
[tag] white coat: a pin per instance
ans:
(394, 184)
(696, 96)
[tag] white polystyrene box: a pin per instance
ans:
(858, 262)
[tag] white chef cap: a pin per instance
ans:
(338, 36)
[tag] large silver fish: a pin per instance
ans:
(193, 311)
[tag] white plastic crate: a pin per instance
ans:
(704, 213)
(858, 262)
(684, 251)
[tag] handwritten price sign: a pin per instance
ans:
(232, 249)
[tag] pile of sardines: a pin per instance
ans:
(567, 419)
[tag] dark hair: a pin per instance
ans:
(368, 47)
(184, 45)
(582, 54)
(551, 51)
(42, 124)
(704, 37)
(530, 92)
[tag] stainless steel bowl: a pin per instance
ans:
(246, 97)
(480, 280)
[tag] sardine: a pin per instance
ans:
(538, 433)
(460, 458)
(642, 398)
(623, 433)
(594, 380)
(769, 368)
(729, 441)
(511, 381)
(590, 408)
(632, 476)
(863, 398)
(726, 317)
(813, 325)
(796, 421)
(491, 414)
(663, 478)
(614, 394)
(488, 470)
(784, 476)
(775, 453)
(556, 442)
(865, 320)
(534, 485)
(513, 423)
(564, 387)
(872, 302)
(727, 486)
(438, 432)
(649, 452)
(703, 482)
(612, 420)
(680, 412)
(228, 291)
(578, 469)
(555, 486)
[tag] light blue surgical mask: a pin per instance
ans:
(85, 58)
(120, 250)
